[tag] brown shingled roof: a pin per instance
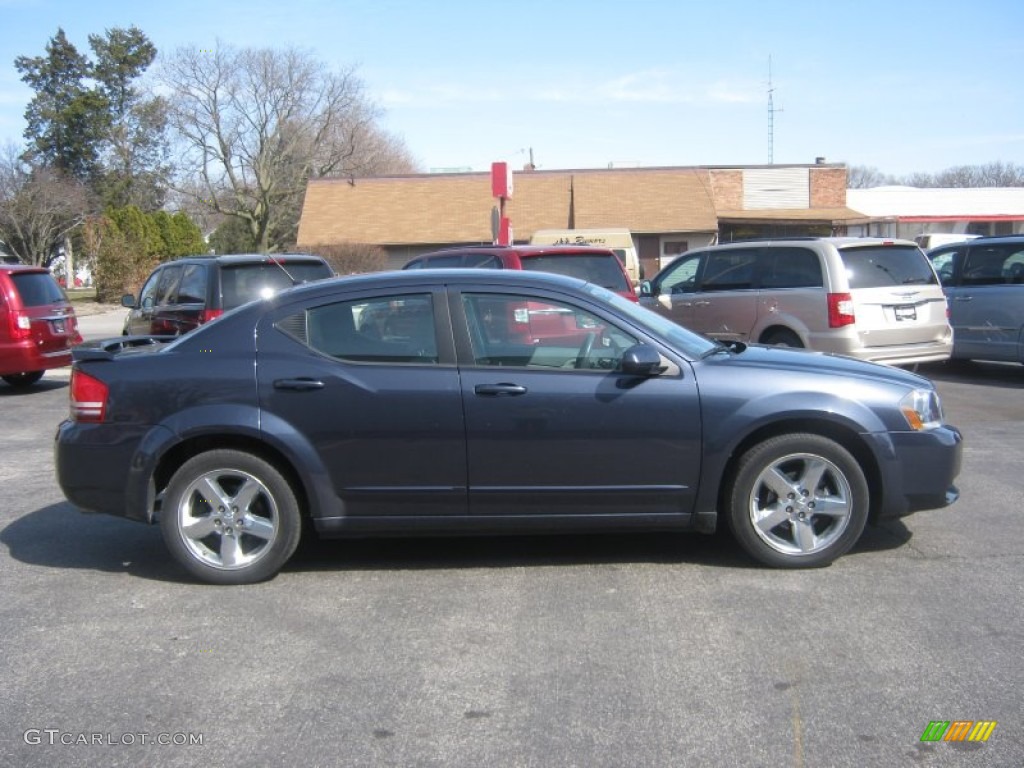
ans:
(453, 208)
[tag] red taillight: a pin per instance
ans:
(88, 397)
(210, 314)
(20, 325)
(840, 310)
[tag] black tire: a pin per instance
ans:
(812, 525)
(780, 337)
(22, 380)
(225, 543)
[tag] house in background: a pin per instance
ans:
(905, 212)
(668, 209)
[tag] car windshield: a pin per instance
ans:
(692, 345)
(242, 283)
(882, 266)
(38, 289)
(598, 269)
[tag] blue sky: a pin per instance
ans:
(903, 86)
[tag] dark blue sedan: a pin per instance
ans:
(479, 402)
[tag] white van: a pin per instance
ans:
(617, 239)
(934, 239)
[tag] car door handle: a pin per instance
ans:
(299, 385)
(702, 303)
(499, 389)
(963, 298)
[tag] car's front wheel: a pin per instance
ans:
(230, 518)
(797, 501)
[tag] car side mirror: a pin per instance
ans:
(646, 289)
(642, 360)
(128, 300)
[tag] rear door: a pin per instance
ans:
(369, 381)
(896, 295)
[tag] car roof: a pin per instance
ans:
(839, 242)
(23, 268)
(525, 251)
(402, 279)
(243, 258)
(992, 240)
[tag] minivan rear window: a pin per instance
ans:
(884, 266)
(600, 270)
(37, 289)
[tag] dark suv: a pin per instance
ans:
(599, 266)
(38, 326)
(185, 293)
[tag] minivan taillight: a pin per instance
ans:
(210, 314)
(840, 310)
(88, 397)
(20, 325)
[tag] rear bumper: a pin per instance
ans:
(23, 357)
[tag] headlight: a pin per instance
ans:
(921, 409)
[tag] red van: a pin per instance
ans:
(38, 326)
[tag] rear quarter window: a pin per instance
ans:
(243, 283)
(886, 266)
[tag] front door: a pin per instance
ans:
(554, 429)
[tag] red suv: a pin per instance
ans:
(599, 266)
(38, 326)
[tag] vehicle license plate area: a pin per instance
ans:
(906, 312)
(58, 326)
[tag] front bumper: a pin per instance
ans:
(918, 470)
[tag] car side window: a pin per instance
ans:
(167, 288)
(729, 270)
(385, 329)
(444, 262)
(482, 261)
(680, 277)
(993, 265)
(944, 263)
(791, 268)
(530, 332)
(192, 289)
(148, 294)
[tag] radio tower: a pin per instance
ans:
(771, 115)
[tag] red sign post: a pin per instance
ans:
(501, 188)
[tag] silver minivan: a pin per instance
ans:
(870, 298)
(984, 280)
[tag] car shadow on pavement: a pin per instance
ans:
(46, 384)
(60, 536)
(1008, 375)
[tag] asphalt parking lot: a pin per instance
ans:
(641, 650)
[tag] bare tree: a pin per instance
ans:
(256, 124)
(863, 177)
(39, 207)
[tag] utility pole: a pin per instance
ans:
(771, 115)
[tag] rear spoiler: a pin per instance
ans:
(107, 349)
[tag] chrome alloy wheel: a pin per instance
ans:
(227, 518)
(800, 504)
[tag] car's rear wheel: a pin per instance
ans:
(230, 518)
(780, 337)
(797, 501)
(23, 379)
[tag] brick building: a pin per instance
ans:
(668, 210)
